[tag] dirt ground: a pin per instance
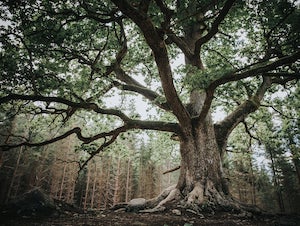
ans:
(36, 208)
(108, 217)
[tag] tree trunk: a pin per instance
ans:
(87, 187)
(201, 174)
(128, 184)
(94, 185)
(200, 180)
(117, 182)
(14, 175)
(201, 184)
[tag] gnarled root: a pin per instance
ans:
(196, 196)
(202, 198)
(173, 195)
(170, 194)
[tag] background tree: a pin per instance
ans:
(66, 59)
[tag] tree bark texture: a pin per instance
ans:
(201, 174)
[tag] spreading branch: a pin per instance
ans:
(101, 148)
(265, 69)
(158, 47)
(134, 86)
(147, 93)
(129, 124)
(82, 105)
(132, 124)
(225, 127)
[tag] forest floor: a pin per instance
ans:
(108, 217)
(35, 208)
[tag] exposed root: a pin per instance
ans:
(168, 195)
(196, 195)
(151, 203)
(173, 195)
(202, 198)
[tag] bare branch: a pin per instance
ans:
(104, 145)
(149, 94)
(278, 111)
(264, 68)
(129, 125)
(249, 132)
(83, 105)
(171, 170)
(76, 130)
(124, 77)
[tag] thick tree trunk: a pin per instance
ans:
(200, 178)
(201, 184)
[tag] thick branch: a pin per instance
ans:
(129, 125)
(181, 44)
(224, 128)
(134, 124)
(149, 94)
(154, 125)
(158, 46)
(144, 6)
(266, 67)
(122, 76)
(259, 70)
(135, 86)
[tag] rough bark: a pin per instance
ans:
(200, 181)
(200, 178)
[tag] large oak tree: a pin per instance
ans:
(64, 58)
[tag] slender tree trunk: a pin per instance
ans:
(253, 189)
(87, 187)
(117, 183)
(128, 180)
(107, 187)
(14, 175)
(62, 183)
(276, 182)
(94, 185)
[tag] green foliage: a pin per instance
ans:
(197, 79)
